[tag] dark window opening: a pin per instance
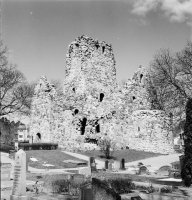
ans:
(97, 128)
(141, 76)
(170, 115)
(103, 49)
(101, 97)
(134, 97)
(77, 45)
(90, 140)
(76, 111)
(73, 89)
(97, 45)
(138, 128)
(83, 124)
(39, 135)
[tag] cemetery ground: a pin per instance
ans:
(56, 157)
(128, 154)
(53, 157)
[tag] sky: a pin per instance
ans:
(38, 32)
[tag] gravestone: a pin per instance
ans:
(78, 179)
(110, 166)
(16, 145)
(5, 171)
(106, 164)
(143, 170)
(122, 164)
(92, 164)
(19, 182)
(116, 165)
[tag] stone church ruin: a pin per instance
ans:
(93, 105)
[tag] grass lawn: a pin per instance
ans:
(56, 157)
(129, 155)
(53, 157)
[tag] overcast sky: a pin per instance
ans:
(38, 32)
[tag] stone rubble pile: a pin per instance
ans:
(93, 105)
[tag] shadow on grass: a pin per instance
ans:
(104, 157)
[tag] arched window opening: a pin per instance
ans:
(73, 89)
(97, 128)
(47, 90)
(141, 76)
(134, 98)
(76, 111)
(39, 136)
(83, 125)
(103, 49)
(97, 45)
(101, 97)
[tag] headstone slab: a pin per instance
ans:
(16, 145)
(122, 164)
(92, 164)
(5, 171)
(19, 182)
(117, 165)
(110, 166)
(106, 164)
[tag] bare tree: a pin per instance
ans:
(170, 80)
(15, 92)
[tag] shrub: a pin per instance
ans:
(105, 147)
(6, 148)
(121, 185)
(148, 189)
(38, 146)
(59, 186)
(166, 190)
(115, 186)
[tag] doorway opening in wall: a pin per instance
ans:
(97, 128)
(141, 76)
(76, 111)
(101, 97)
(83, 124)
(103, 49)
(73, 89)
(97, 45)
(39, 136)
(134, 98)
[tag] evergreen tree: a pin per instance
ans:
(186, 168)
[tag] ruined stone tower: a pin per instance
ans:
(93, 105)
(90, 66)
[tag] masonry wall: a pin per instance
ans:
(93, 105)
